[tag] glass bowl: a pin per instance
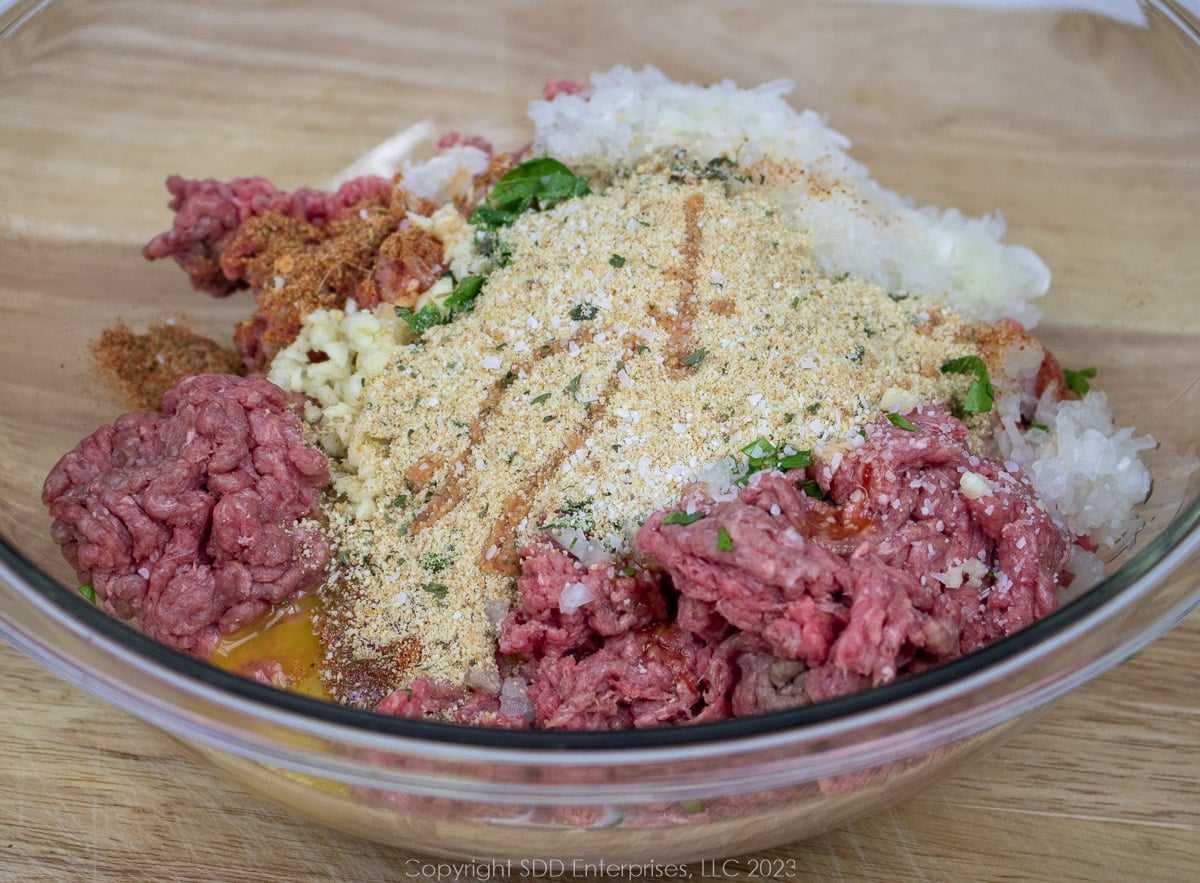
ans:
(1083, 128)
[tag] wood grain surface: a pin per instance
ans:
(1105, 787)
(1085, 130)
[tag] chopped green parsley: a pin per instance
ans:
(979, 394)
(438, 590)
(762, 455)
(422, 320)
(436, 563)
(584, 311)
(693, 361)
(462, 299)
(1077, 381)
(534, 185)
(724, 540)
(812, 489)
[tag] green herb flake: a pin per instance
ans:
(438, 590)
(900, 421)
(536, 184)
(576, 514)
(616, 261)
(758, 449)
(683, 517)
(695, 359)
(724, 540)
(547, 418)
(573, 386)
(462, 299)
(1042, 426)
(762, 455)
(979, 395)
(1077, 381)
(584, 311)
(422, 320)
(812, 489)
(543, 397)
(798, 460)
(694, 807)
(435, 562)
(88, 591)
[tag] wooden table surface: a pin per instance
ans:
(1105, 786)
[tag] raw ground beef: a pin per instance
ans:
(208, 213)
(193, 520)
(912, 552)
(551, 89)
(299, 252)
(453, 139)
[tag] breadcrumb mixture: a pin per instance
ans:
(637, 339)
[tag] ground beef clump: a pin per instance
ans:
(299, 252)
(194, 519)
(913, 552)
(906, 552)
(208, 213)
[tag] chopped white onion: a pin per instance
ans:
(586, 551)
(514, 700)
(574, 596)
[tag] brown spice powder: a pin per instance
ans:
(140, 368)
